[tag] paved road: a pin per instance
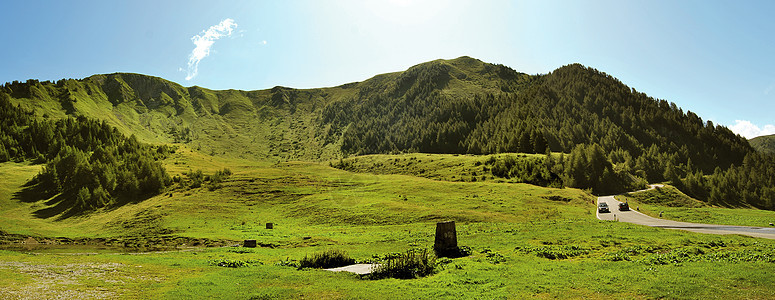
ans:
(361, 269)
(635, 217)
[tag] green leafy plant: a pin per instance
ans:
(326, 259)
(234, 263)
(555, 252)
(411, 264)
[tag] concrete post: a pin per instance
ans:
(446, 238)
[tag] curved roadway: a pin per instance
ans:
(636, 217)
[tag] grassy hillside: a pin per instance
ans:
(290, 193)
(279, 123)
(270, 124)
(526, 241)
(292, 158)
(462, 106)
(445, 167)
(765, 144)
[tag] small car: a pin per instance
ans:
(603, 208)
(624, 206)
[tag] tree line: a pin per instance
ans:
(615, 138)
(88, 164)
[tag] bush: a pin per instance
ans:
(412, 264)
(233, 263)
(556, 252)
(327, 259)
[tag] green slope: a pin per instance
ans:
(527, 241)
(446, 106)
(269, 123)
(279, 123)
(765, 144)
(461, 105)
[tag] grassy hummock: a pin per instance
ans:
(326, 259)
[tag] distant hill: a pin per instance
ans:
(764, 144)
(461, 105)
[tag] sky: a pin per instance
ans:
(711, 57)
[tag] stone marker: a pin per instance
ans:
(249, 243)
(269, 225)
(446, 238)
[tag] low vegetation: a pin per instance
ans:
(233, 263)
(413, 263)
(555, 252)
(326, 259)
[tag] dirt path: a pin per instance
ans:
(635, 217)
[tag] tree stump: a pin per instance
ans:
(446, 239)
(269, 225)
(249, 243)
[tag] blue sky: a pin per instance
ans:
(710, 57)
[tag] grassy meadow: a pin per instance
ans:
(525, 241)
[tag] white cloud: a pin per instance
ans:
(263, 42)
(204, 41)
(749, 130)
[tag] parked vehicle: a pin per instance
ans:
(603, 208)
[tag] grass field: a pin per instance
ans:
(526, 241)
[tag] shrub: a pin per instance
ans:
(492, 256)
(197, 178)
(233, 263)
(288, 263)
(327, 259)
(412, 264)
(556, 252)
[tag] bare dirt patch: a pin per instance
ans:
(48, 281)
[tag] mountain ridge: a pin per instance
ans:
(161, 111)
(765, 143)
(459, 106)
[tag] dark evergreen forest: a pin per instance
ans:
(615, 136)
(88, 164)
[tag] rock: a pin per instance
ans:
(249, 243)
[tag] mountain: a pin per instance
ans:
(279, 123)
(461, 106)
(448, 106)
(764, 144)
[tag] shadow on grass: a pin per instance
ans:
(62, 207)
(57, 204)
(63, 204)
(33, 192)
